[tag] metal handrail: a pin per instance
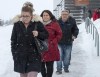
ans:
(59, 8)
(91, 28)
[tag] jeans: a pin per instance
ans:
(65, 57)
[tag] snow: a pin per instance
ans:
(84, 61)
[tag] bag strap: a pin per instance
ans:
(35, 26)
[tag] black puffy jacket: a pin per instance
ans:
(23, 46)
(69, 29)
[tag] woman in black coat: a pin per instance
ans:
(27, 60)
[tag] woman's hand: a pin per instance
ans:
(35, 33)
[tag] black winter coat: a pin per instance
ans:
(69, 29)
(25, 55)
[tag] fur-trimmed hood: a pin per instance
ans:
(35, 18)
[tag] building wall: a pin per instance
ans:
(78, 12)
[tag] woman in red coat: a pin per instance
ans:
(96, 14)
(55, 35)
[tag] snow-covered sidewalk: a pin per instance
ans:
(77, 67)
(84, 61)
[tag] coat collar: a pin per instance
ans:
(36, 18)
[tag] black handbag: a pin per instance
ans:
(41, 45)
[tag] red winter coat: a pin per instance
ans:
(96, 16)
(55, 35)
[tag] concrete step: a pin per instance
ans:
(78, 17)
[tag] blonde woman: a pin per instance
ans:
(27, 60)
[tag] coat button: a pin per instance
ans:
(27, 64)
(17, 44)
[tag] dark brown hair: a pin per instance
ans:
(52, 17)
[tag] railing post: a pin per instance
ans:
(89, 28)
(93, 30)
(95, 38)
(98, 46)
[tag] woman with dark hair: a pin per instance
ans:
(55, 35)
(27, 60)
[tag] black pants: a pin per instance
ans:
(47, 69)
